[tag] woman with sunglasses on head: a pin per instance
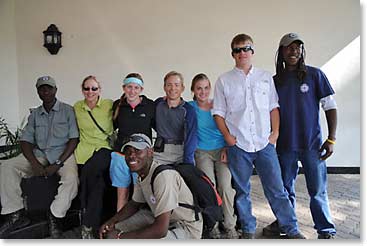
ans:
(93, 153)
(211, 156)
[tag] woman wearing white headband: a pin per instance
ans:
(132, 113)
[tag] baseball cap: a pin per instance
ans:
(290, 38)
(45, 80)
(138, 141)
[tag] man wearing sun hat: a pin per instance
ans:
(164, 218)
(47, 142)
(301, 90)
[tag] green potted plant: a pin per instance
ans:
(9, 141)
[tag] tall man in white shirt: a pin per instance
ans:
(246, 112)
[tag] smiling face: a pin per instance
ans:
(91, 90)
(292, 54)
(139, 160)
(202, 90)
(132, 92)
(243, 58)
(173, 86)
(47, 93)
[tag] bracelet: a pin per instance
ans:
(119, 234)
(330, 141)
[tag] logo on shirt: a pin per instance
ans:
(152, 199)
(304, 88)
(142, 115)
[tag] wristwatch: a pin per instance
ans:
(59, 163)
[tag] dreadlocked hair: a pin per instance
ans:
(280, 66)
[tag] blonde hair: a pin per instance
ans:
(93, 78)
(173, 73)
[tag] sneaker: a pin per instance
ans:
(248, 235)
(87, 232)
(54, 225)
(230, 234)
(215, 233)
(326, 236)
(14, 221)
(272, 229)
(296, 236)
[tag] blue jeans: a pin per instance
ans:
(316, 180)
(268, 168)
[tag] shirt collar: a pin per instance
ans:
(85, 106)
(237, 70)
(56, 107)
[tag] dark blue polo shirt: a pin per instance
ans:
(299, 110)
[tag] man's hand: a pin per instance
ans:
(230, 140)
(38, 169)
(273, 138)
(51, 169)
(106, 228)
(328, 148)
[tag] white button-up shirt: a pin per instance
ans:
(245, 102)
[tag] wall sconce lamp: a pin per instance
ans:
(52, 39)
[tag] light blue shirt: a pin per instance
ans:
(209, 136)
(119, 171)
(50, 131)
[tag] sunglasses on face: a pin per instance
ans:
(244, 49)
(89, 88)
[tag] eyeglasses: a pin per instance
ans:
(139, 139)
(88, 88)
(238, 50)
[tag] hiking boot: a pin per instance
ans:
(230, 234)
(54, 225)
(326, 236)
(87, 232)
(296, 236)
(272, 229)
(215, 233)
(248, 235)
(14, 221)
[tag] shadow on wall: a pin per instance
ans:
(343, 72)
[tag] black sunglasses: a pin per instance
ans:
(88, 88)
(238, 50)
(138, 139)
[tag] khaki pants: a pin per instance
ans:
(145, 217)
(172, 153)
(209, 162)
(11, 173)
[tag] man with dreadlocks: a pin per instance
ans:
(301, 89)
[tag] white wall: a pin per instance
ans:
(112, 38)
(9, 96)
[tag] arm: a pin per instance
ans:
(27, 150)
(128, 210)
(221, 124)
(328, 146)
(275, 122)
(158, 229)
(191, 140)
(122, 197)
(69, 150)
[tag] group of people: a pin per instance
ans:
(254, 120)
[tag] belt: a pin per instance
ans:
(173, 141)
